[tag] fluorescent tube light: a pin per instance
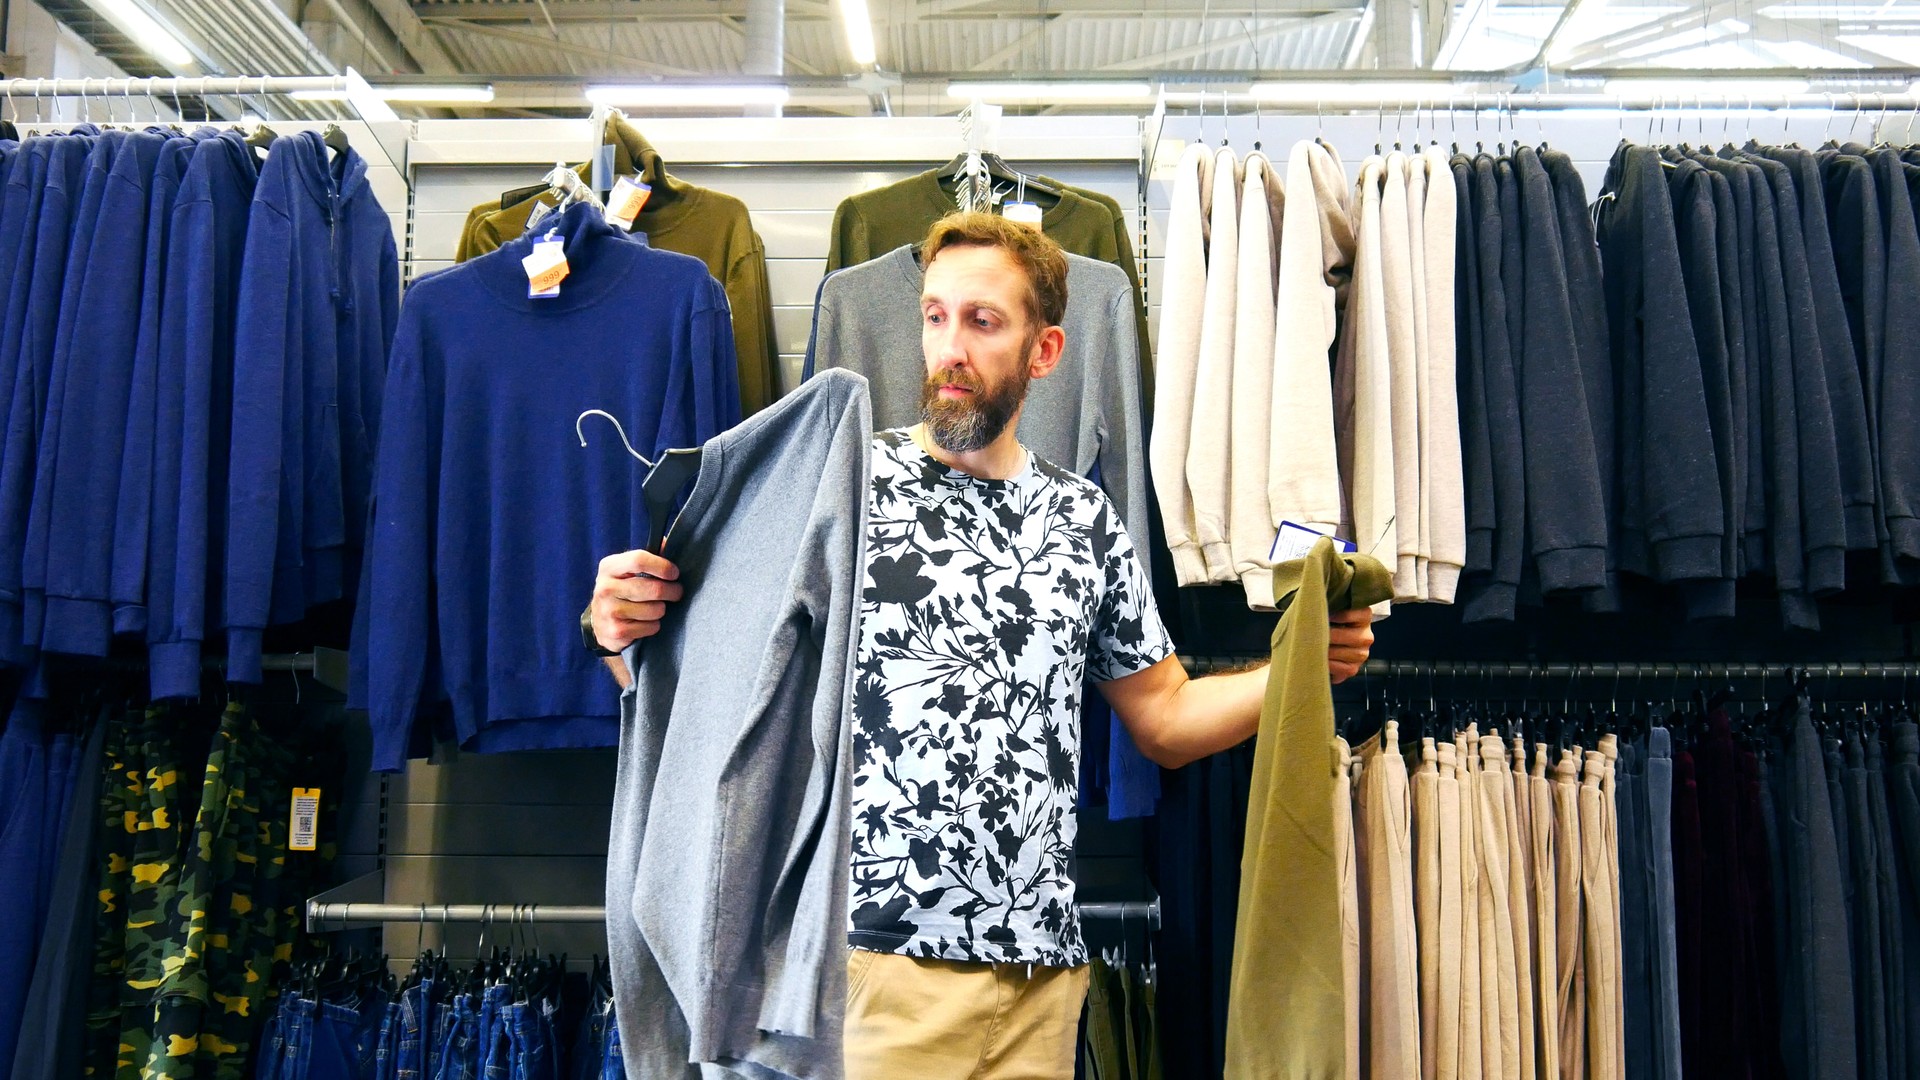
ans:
(684, 95)
(1050, 91)
(146, 31)
(1357, 90)
(416, 94)
(859, 27)
(1708, 89)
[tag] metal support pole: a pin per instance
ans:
(766, 44)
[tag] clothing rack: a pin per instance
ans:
(208, 86)
(1663, 669)
(1467, 100)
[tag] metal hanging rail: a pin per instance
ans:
(1662, 669)
(1466, 101)
(209, 86)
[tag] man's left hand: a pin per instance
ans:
(1348, 642)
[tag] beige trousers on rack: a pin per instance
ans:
(1602, 912)
(1473, 971)
(1449, 978)
(1546, 964)
(1520, 902)
(1345, 866)
(1570, 928)
(1392, 963)
(1497, 877)
(1610, 812)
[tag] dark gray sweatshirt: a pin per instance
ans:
(1860, 264)
(1697, 228)
(1823, 526)
(1898, 395)
(732, 828)
(1085, 414)
(1844, 395)
(1497, 597)
(1670, 523)
(1566, 514)
(1476, 450)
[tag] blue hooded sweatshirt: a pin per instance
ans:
(133, 521)
(77, 487)
(43, 271)
(193, 409)
(489, 518)
(318, 301)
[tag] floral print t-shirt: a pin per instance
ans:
(986, 602)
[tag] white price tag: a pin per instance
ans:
(545, 268)
(1295, 541)
(303, 828)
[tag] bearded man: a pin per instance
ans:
(996, 585)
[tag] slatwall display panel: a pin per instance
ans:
(791, 206)
(532, 827)
(1589, 137)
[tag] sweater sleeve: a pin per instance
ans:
(133, 519)
(1363, 385)
(264, 336)
(1250, 408)
(1209, 465)
(184, 434)
(751, 301)
(1476, 451)
(849, 244)
(1403, 365)
(1899, 396)
(1180, 321)
(401, 643)
(1316, 265)
(1123, 466)
(1446, 490)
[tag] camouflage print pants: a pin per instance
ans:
(199, 944)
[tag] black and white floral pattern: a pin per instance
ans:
(985, 603)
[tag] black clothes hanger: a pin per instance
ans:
(335, 138)
(665, 477)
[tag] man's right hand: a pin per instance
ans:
(630, 597)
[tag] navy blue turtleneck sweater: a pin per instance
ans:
(489, 517)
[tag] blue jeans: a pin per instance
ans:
(495, 1056)
(414, 1045)
(267, 1066)
(460, 1045)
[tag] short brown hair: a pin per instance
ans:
(1031, 250)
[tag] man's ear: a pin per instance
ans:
(1047, 349)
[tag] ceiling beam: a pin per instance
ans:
(628, 10)
(564, 47)
(793, 59)
(1013, 49)
(1605, 49)
(1228, 41)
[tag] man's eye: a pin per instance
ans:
(934, 317)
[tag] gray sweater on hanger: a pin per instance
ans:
(732, 829)
(1085, 414)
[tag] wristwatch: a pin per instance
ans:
(586, 636)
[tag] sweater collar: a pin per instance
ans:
(594, 265)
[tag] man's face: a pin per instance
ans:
(980, 347)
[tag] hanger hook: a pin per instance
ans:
(581, 434)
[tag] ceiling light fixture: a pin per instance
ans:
(688, 96)
(1358, 90)
(1709, 89)
(1050, 91)
(146, 31)
(859, 27)
(416, 94)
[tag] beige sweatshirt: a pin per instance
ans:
(1417, 262)
(1363, 389)
(1185, 275)
(1403, 366)
(1209, 466)
(1262, 206)
(1443, 485)
(1316, 263)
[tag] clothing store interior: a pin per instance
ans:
(1326, 539)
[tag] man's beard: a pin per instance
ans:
(972, 423)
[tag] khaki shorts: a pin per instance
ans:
(915, 1019)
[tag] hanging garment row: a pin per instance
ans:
(674, 215)
(514, 1013)
(1698, 380)
(155, 876)
(191, 361)
(1307, 366)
